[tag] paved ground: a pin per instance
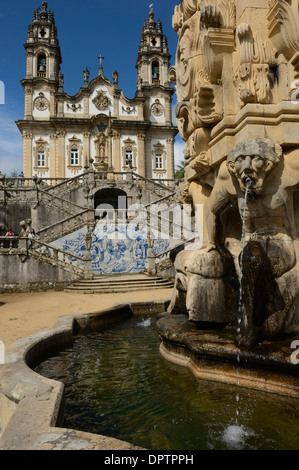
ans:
(22, 315)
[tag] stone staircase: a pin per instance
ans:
(119, 283)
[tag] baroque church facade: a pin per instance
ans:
(98, 128)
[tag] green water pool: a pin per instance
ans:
(117, 384)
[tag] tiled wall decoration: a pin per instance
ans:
(115, 248)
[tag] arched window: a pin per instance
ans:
(42, 65)
(155, 72)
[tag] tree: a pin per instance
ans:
(180, 171)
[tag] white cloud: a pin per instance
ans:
(179, 149)
(11, 147)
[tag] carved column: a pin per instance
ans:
(141, 154)
(52, 104)
(86, 146)
(27, 154)
(60, 104)
(60, 155)
(86, 106)
(168, 113)
(29, 70)
(52, 157)
(170, 157)
(28, 104)
(52, 57)
(148, 158)
(116, 160)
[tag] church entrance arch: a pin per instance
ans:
(110, 203)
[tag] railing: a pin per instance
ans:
(44, 251)
(64, 227)
(9, 244)
(59, 256)
(57, 201)
(21, 182)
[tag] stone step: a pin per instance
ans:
(95, 282)
(119, 284)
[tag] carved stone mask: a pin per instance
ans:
(250, 161)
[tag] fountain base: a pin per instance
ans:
(212, 354)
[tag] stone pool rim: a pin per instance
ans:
(31, 406)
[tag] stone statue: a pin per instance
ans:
(236, 77)
(263, 278)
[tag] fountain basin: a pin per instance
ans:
(211, 354)
(32, 406)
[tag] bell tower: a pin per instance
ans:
(43, 57)
(153, 54)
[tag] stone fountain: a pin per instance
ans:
(236, 295)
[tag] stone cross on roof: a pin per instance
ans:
(101, 57)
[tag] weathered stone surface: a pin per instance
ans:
(210, 353)
(236, 74)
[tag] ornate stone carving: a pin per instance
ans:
(253, 79)
(237, 78)
(101, 101)
(128, 110)
(74, 107)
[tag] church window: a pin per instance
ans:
(41, 65)
(155, 71)
(74, 156)
(74, 153)
(129, 158)
(159, 161)
(129, 154)
(41, 159)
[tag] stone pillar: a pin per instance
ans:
(151, 259)
(27, 154)
(52, 156)
(29, 64)
(168, 112)
(88, 257)
(60, 104)
(28, 103)
(86, 146)
(52, 67)
(170, 157)
(86, 106)
(60, 155)
(116, 160)
(110, 150)
(141, 154)
(148, 158)
(52, 104)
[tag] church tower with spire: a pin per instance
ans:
(98, 128)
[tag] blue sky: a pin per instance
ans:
(86, 29)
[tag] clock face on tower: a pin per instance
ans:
(157, 108)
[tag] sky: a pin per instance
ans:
(86, 29)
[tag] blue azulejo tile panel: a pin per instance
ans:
(120, 248)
